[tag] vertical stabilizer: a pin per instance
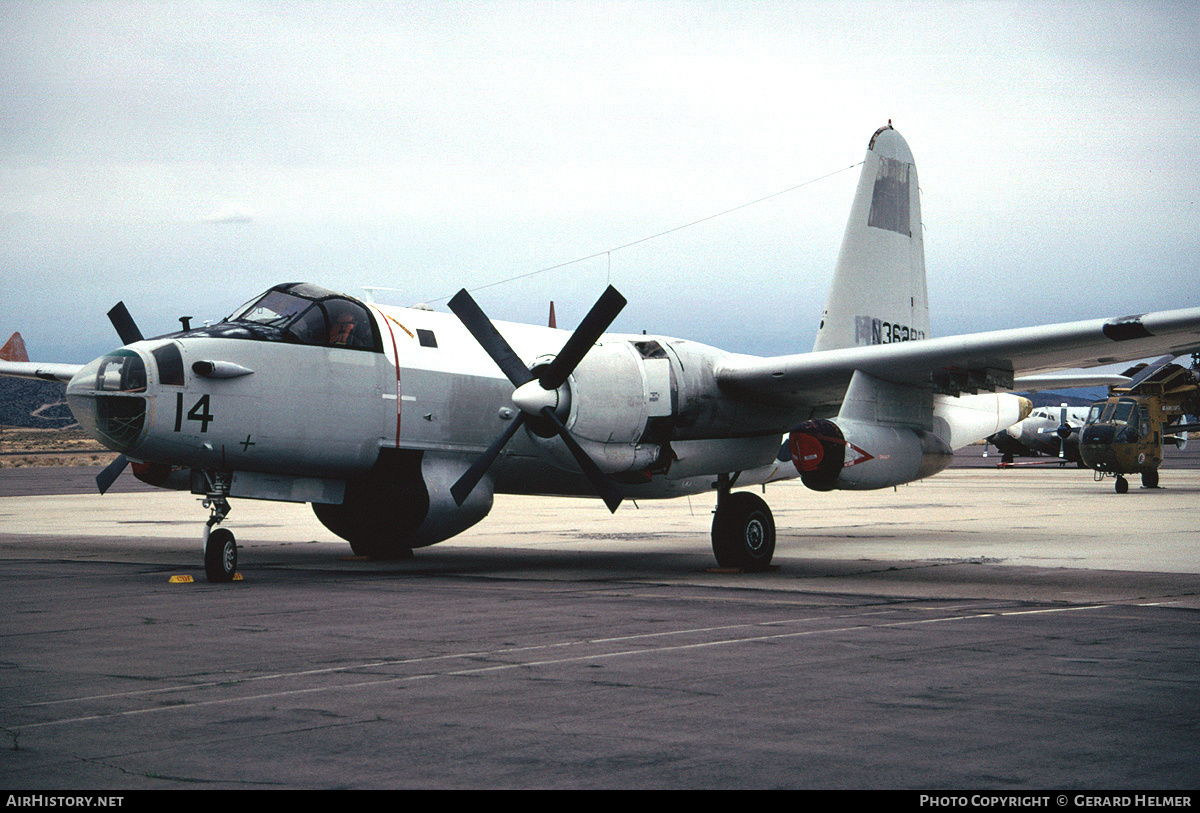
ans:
(14, 349)
(878, 294)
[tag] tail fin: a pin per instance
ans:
(878, 294)
(14, 349)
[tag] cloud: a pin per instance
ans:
(230, 213)
(434, 145)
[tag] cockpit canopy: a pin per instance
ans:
(301, 313)
(1114, 410)
(1129, 419)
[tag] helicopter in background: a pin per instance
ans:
(1125, 433)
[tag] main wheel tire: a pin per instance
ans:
(220, 556)
(743, 532)
(1150, 479)
(1122, 485)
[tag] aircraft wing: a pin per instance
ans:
(956, 364)
(33, 369)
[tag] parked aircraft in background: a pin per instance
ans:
(399, 425)
(1048, 432)
(1125, 433)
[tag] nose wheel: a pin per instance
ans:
(220, 555)
(220, 548)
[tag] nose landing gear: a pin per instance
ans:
(220, 548)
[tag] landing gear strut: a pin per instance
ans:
(220, 548)
(743, 530)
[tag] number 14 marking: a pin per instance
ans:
(199, 412)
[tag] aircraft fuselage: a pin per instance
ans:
(294, 416)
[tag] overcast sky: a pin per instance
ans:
(185, 156)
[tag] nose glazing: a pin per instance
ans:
(108, 398)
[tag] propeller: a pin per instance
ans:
(127, 329)
(1063, 431)
(537, 397)
(129, 333)
(111, 472)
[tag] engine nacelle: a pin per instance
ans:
(856, 455)
(404, 502)
(614, 394)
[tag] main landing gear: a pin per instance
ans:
(743, 530)
(220, 548)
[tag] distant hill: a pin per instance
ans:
(1081, 398)
(34, 404)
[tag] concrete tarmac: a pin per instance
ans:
(1011, 630)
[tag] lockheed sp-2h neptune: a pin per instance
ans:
(399, 425)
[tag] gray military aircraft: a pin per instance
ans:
(399, 425)
(1048, 432)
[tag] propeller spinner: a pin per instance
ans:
(537, 396)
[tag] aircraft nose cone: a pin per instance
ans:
(1096, 447)
(1097, 435)
(108, 398)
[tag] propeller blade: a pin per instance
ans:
(604, 486)
(111, 472)
(477, 322)
(1147, 371)
(589, 331)
(581, 341)
(466, 484)
(127, 329)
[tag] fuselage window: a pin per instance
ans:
(170, 364)
(426, 337)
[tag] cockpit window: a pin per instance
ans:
(274, 308)
(348, 324)
(1123, 411)
(325, 319)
